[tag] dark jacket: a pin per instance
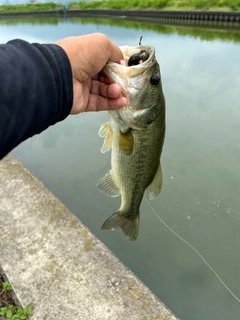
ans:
(36, 90)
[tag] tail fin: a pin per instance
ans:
(130, 226)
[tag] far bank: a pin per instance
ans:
(144, 14)
(135, 5)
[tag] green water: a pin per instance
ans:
(200, 199)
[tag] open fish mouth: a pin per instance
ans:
(133, 56)
(133, 69)
(138, 58)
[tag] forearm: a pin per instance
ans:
(36, 90)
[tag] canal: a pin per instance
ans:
(201, 178)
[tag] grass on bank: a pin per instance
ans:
(13, 313)
(29, 7)
(228, 5)
(213, 5)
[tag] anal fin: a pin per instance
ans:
(155, 186)
(108, 186)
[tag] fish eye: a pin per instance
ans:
(155, 80)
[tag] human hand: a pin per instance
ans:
(92, 91)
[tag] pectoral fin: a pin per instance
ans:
(108, 186)
(126, 142)
(155, 186)
(106, 132)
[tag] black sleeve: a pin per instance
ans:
(36, 90)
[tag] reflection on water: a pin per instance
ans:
(205, 30)
(200, 162)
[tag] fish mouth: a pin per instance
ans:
(128, 52)
(134, 75)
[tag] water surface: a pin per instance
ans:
(200, 163)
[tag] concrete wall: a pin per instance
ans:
(52, 259)
(140, 14)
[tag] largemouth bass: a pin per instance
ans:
(136, 135)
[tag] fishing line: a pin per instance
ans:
(192, 247)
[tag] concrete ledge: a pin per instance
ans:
(52, 259)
